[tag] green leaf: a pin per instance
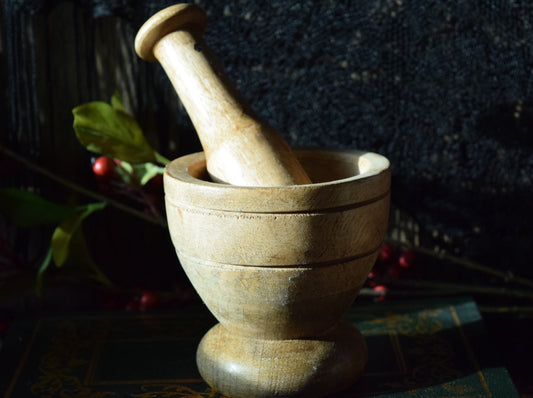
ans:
(110, 131)
(26, 209)
(128, 167)
(144, 172)
(81, 263)
(125, 172)
(116, 102)
(161, 159)
(63, 234)
(40, 274)
(147, 171)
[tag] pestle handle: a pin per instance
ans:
(240, 148)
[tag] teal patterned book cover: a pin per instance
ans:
(416, 349)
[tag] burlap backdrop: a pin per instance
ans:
(442, 88)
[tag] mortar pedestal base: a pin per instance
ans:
(242, 367)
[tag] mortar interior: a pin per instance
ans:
(322, 165)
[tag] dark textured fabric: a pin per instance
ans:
(444, 89)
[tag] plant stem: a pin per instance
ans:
(78, 188)
(405, 293)
(456, 288)
(507, 276)
(133, 189)
(161, 159)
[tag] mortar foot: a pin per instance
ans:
(242, 367)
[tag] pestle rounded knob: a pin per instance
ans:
(240, 148)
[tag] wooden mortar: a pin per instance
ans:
(276, 258)
(278, 266)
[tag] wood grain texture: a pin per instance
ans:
(311, 367)
(240, 148)
(278, 267)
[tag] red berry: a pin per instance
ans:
(376, 272)
(386, 253)
(104, 167)
(381, 290)
(155, 184)
(149, 300)
(407, 258)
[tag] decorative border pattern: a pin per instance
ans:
(427, 345)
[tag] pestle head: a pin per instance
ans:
(173, 18)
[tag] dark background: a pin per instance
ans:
(443, 90)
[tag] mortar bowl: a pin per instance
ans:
(277, 267)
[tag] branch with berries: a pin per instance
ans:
(128, 173)
(403, 271)
(126, 166)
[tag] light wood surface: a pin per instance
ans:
(310, 367)
(277, 267)
(240, 148)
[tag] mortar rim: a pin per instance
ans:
(181, 188)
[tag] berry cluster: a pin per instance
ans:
(393, 263)
(118, 178)
(147, 300)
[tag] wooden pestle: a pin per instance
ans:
(240, 148)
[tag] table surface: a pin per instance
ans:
(430, 348)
